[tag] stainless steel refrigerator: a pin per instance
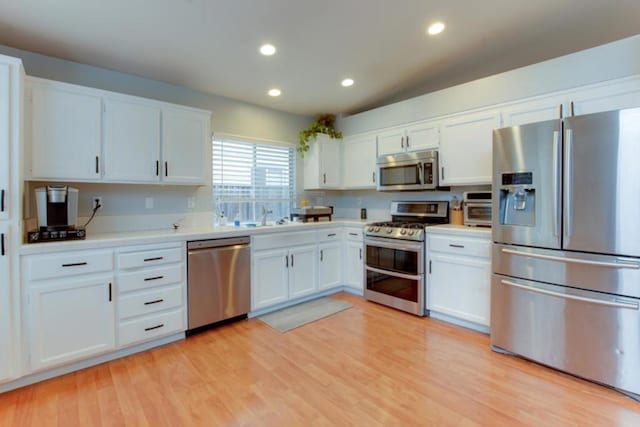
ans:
(565, 288)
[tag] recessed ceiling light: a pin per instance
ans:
(267, 49)
(435, 28)
(274, 92)
(347, 82)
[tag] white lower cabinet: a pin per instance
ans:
(459, 277)
(329, 265)
(353, 269)
(6, 318)
(151, 292)
(70, 320)
(303, 271)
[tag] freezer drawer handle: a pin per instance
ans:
(630, 306)
(573, 260)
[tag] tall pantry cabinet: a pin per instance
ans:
(11, 95)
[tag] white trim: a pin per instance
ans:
(460, 322)
(242, 138)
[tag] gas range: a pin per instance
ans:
(408, 220)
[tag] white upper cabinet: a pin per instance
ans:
(322, 163)
(418, 136)
(66, 132)
(535, 110)
(466, 148)
(185, 134)
(614, 95)
(131, 141)
(5, 137)
(391, 141)
(359, 161)
(422, 136)
(143, 140)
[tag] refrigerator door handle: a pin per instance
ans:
(568, 184)
(616, 304)
(556, 183)
(573, 260)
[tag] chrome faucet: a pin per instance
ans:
(265, 212)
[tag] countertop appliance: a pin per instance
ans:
(395, 255)
(476, 206)
(218, 280)
(57, 208)
(312, 214)
(566, 254)
(407, 171)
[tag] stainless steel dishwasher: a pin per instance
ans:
(218, 280)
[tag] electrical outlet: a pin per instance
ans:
(191, 202)
(96, 201)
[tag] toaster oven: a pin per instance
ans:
(476, 206)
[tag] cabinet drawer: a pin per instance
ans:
(283, 240)
(330, 234)
(50, 266)
(149, 301)
(150, 327)
(149, 258)
(460, 245)
(355, 234)
(150, 277)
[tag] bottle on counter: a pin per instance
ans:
(236, 220)
(223, 219)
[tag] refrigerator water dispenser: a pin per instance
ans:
(517, 200)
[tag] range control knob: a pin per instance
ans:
(403, 231)
(377, 229)
(389, 230)
(369, 228)
(411, 232)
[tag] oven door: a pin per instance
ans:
(394, 273)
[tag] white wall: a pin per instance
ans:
(606, 62)
(124, 203)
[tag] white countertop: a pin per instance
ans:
(103, 240)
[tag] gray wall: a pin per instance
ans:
(229, 117)
(606, 62)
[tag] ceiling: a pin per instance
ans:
(212, 45)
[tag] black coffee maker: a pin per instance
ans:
(57, 214)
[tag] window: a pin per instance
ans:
(248, 177)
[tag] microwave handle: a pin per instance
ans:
(420, 167)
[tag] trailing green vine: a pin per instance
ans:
(323, 124)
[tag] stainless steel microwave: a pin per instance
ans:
(407, 171)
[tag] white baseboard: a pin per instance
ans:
(459, 322)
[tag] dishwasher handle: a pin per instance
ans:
(218, 243)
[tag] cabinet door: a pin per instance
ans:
(391, 141)
(69, 321)
(422, 136)
(185, 134)
(329, 266)
(131, 141)
(359, 162)
(6, 320)
(460, 287)
(466, 148)
(538, 110)
(607, 97)
(66, 133)
(270, 277)
(330, 161)
(5, 137)
(354, 268)
(303, 271)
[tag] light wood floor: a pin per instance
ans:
(366, 366)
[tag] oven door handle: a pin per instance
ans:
(393, 273)
(395, 244)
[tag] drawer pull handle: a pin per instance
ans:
(321, 255)
(331, 234)
(2, 200)
(3, 251)
(157, 301)
(456, 246)
(75, 264)
(353, 234)
(110, 292)
(158, 258)
(147, 279)
(154, 327)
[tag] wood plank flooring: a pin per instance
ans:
(365, 366)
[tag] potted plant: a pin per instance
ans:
(323, 124)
